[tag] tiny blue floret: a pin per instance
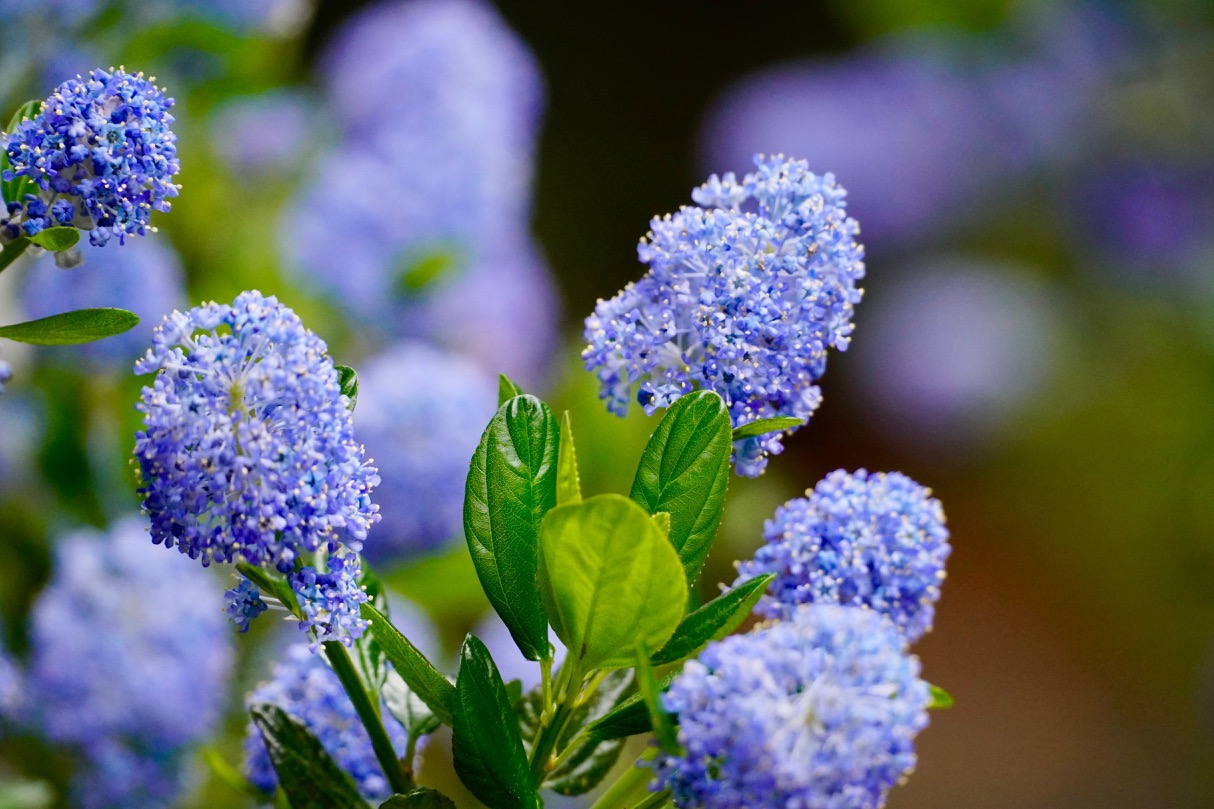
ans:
(874, 540)
(744, 296)
(244, 604)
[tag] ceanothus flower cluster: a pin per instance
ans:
(875, 540)
(308, 690)
(123, 639)
(816, 712)
(248, 453)
(101, 156)
(744, 296)
(421, 437)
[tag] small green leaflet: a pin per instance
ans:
(14, 190)
(347, 378)
(940, 698)
(651, 695)
(72, 328)
(759, 427)
(507, 389)
(568, 483)
(56, 239)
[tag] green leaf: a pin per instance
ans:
(408, 709)
(662, 521)
(14, 190)
(759, 427)
(486, 743)
(630, 717)
(347, 377)
(568, 483)
(56, 239)
(659, 720)
(305, 771)
(420, 271)
(684, 470)
(609, 578)
(940, 698)
(507, 389)
(369, 655)
(72, 328)
(420, 798)
(713, 621)
(511, 486)
(423, 679)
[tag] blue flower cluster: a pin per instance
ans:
(875, 540)
(248, 452)
(145, 277)
(422, 209)
(243, 603)
(421, 437)
(744, 296)
(307, 689)
(123, 638)
(818, 711)
(101, 156)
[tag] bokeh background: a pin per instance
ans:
(1035, 185)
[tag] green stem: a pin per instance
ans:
(569, 683)
(12, 251)
(655, 800)
(632, 785)
(343, 667)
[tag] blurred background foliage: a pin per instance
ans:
(1033, 180)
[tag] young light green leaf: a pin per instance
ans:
(630, 716)
(511, 486)
(419, 272)
(486, 743)
(685, 470)
(940, 698)
(568, 483)
(759, 427)
(662, 521)
(713, 621)
(609, 577)
(651, 695)
(72, 328)
(56, 239)
(507, 389)
(420, 798)
(305, 771)
(347, 377)
(423, 679)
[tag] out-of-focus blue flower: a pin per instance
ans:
(262, 134)
(420, 414)
(954, 349)
(493, 632)
(130, 662)
(58, 12)
(743, 296)
(819, 711)
(924, 127)
(874, 540)
(306, 688)
(248, 452)
(460, 121)
(145, 277)
(101, 155)
(6, 375)
(10, 688)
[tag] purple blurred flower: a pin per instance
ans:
(955, 348)
(264, 133)
(145, 276)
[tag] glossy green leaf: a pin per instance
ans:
(72, 328)
(347, 377)
(759, 427)
(940, 698)
(713, 621)
(414, 715)
(651, 696)
(430, 686)
(56, 239)
(421, 798)
(507, 389)
(685, 470)
(486, 743)
(630, 716)
(14, 190)
(511, 486)
(568, 483)
(311, 779)
(609, 578)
